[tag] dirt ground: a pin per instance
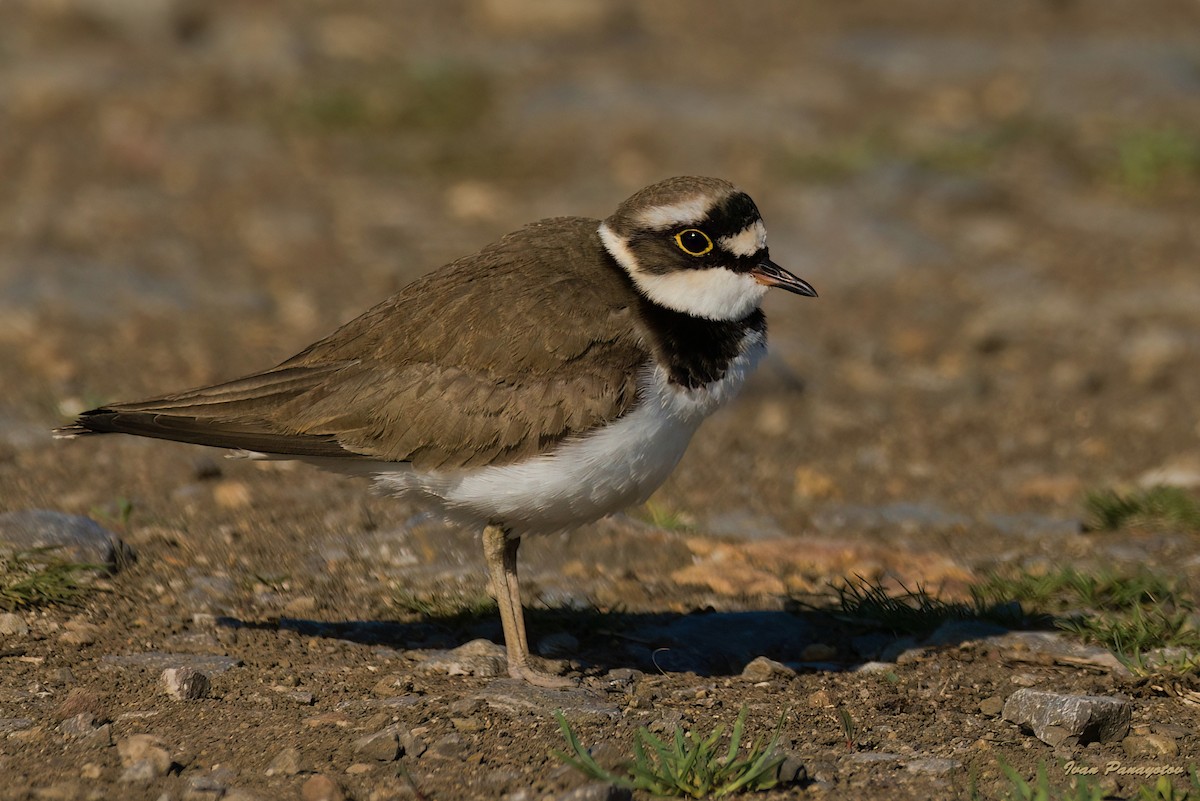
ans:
(997, 203)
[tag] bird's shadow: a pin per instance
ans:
(705, 643)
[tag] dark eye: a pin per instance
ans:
(693, 242)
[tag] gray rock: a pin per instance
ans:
(517, 697)
(451, 747)
(207, 786)
(81, 725)
(158, 661)
(596, 791)
(1056, 718)
(13, 625)
(14, 724)
(286, 763)
(382, 746)
(932, 766)
(185, 683)
(875, 667)
(77, 539)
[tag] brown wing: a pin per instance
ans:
(452, 371)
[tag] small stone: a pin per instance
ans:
(239, 794)
(285, 763)
(412, 744)
(303, 605)
(80, 725)
(932, 766)
(382, 746)
(13, 625)
(358, 769)
(991, 706)
(207, 786)
(792, 769)
(1056, 718)
(321, 788)
(301, 697)
(467, 725)
(79, 632)
(91, 771)
(596, 791)
(78, 539)
(185, 684)
(450, 747)
(875, 667)
(1149, 745)
(145, 748)
(763, 669)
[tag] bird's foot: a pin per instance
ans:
(538, 678)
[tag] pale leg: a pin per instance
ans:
(500, 551)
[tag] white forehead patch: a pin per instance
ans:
(659, 218)
(713, 293)
(747, 241)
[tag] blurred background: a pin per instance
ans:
(998, 203)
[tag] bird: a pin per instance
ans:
(550, 379)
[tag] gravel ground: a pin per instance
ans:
(997, 204)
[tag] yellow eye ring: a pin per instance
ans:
(693, 242)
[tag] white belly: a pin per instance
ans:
(586, 478)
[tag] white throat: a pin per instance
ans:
(713, 293)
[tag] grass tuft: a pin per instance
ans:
(39, 578)
(1155, 507)
(914, 611)
(688, 765)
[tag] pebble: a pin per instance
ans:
(78, 539)
(762, 669)
(145, 748)
(1056, 718)
(321, 788)
(286, 763)
(13, 625)
(185, 684)
(382, 746)
(80, 725)
(451, 747)
(932, 766)
(79, 632)
(208, 786)
(991, 706)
